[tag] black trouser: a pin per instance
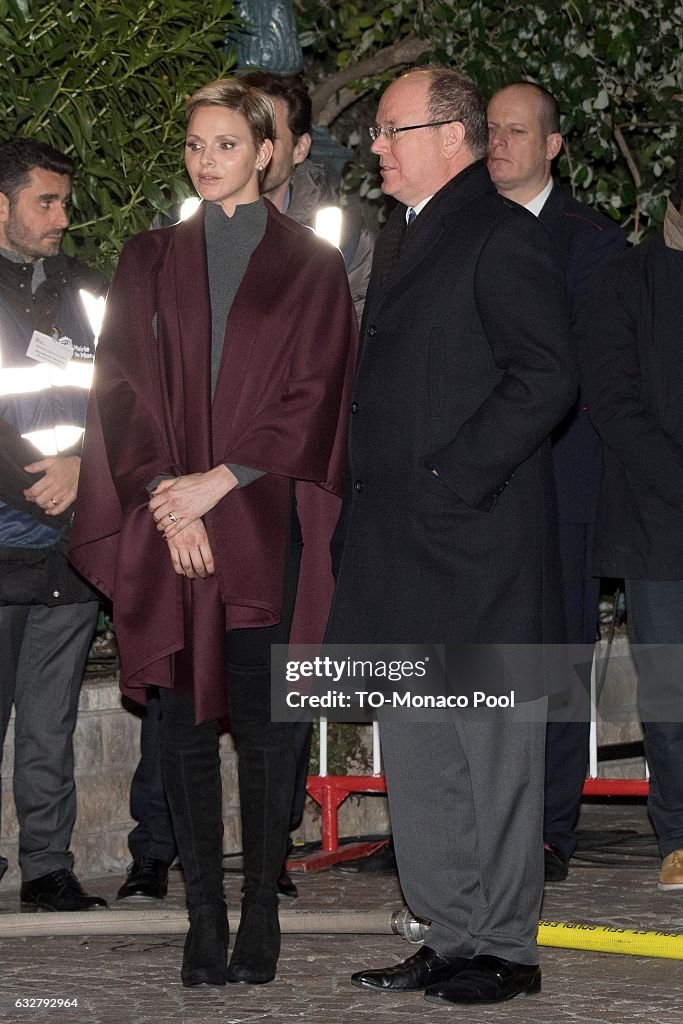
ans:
(568, 734)
(153, 833)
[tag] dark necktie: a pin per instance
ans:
(392, 246)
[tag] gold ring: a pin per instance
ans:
(172, 517)
(54, 501)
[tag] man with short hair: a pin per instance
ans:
(292, 144)
(447, 533)
(47, 612)
(524, 140)
(297, 186)
(632, 359)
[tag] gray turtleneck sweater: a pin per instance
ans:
(230, 241)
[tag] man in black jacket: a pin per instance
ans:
(448, 527)
(632, 359)
(47, 612)
(524, 139)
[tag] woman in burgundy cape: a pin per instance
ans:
(209, 488)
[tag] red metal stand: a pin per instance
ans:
(615, 787)
(330, 791)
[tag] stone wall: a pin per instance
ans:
(106, 745)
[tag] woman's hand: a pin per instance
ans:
(191, 552)
(177, 503)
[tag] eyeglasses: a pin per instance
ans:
(390, 132)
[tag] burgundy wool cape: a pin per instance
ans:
(280, 406)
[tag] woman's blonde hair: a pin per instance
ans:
(254, 106)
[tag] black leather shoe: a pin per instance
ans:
(487, 979)
(285, 885)
(147, 882)
(556, 865)
(59, 891)
(426, 967)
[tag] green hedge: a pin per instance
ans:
(105, 82)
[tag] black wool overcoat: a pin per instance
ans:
(466, 367)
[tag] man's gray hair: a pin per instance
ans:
(453, 95)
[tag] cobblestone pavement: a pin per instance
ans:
(135, 979)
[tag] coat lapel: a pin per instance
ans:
(553, 207)
(189, 372)
(552, 217)
(424, 234)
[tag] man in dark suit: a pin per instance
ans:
(447, 534)
(632, 359)
(524, 139)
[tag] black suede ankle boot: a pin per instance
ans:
(205, 956)
(257, 946)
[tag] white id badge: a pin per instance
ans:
(45, 349)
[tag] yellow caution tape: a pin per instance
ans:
(605, 939)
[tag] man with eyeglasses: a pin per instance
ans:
(448, 535)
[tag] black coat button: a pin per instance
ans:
(358, 486)
(372, 331)
(354, 407)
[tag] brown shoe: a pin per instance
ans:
(671, 875)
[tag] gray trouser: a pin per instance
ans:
(42, 658)
(466, 805)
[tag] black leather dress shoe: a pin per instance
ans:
(487, 979)
(59, 891)
(285, 885)
(147, 882)
(426, 967)
(556, 865)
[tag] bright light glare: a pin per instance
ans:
(188, 207)
(94, 307)
(55, 439)
(328, 223)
